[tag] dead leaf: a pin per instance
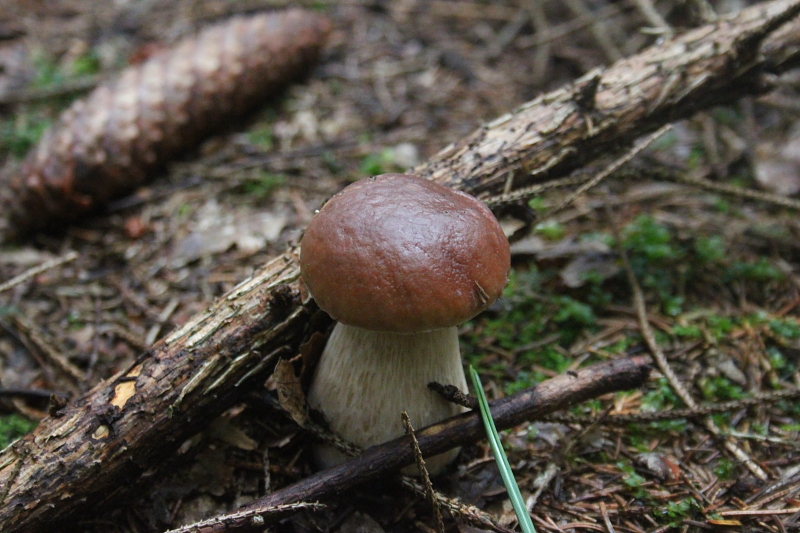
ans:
(290, 391)
(224, 430)
(661, 466)
(215, 230)
(310, 352)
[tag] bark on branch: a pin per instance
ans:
(128, 424)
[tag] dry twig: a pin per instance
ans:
(423, 473)
(35, 271)
(673, 414)
(258, 517)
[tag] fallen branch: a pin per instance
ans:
(378, 462)
(96, 447)
(90, 452)
(609, 107)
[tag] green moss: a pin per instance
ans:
(759, 271)
(185, 209)
(787, 327)
(791, 408)
(379, 163)
(672, 305)
(710, 249)
(261, 136)
(524, 380)
(18, 134)
(660, 398)
(720, 326)
(47, 72)
(263, 184)
(658, 260)
(573, 311)
(13, 427)
(633, 480)
(551, 230)
(776, 358)
(690, 331)
(86, 65)
(697, 158)
(649, 239)
(722, 205)
(674, 426)
(548, 357)
(538, 204)
(331, 162)
(727, 116)
(525, 315)
(719, 388)
(674, 512)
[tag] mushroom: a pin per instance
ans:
(399, 262)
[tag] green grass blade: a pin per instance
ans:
(500, 457)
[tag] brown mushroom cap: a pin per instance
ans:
(403, 254)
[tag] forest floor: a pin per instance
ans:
(397, 82)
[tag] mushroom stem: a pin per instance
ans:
(365, 379)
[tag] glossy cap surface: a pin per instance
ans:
(402, 254)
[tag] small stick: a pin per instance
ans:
(541, 58)
(541, 482)
(423, 473)
(526, 193)
(33, 334)
(46, 93)
(614, 166)
(673, 414)
(258, 517)
(665, 173)
(32, 393)
(759, 512)
(606, 520)
(648, 10)
(466, 512)
(35, 271)
(598, 28)
(704, 10)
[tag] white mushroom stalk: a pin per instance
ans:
(365, 379)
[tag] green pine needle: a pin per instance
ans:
(500, 457)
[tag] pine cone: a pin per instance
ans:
(121, 134)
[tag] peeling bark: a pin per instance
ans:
(129, 423)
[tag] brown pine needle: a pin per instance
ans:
(423, 473)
